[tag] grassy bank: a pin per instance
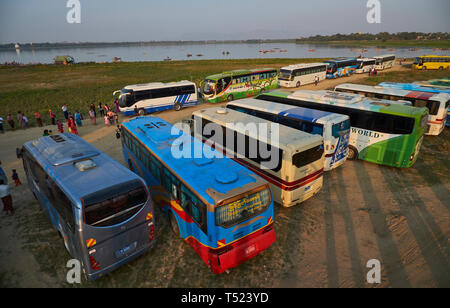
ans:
(43, 87)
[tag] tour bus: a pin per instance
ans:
(381, 132)
(301, 74)
(156, 96)
(432, 63)
(333, 127)
(222, 210)
(437, 104)
(238, 84)
(384, 62)
(365, 65)
(414, 87)
(341, 67)
(102, 211)
(289, 159)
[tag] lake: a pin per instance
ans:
(207, 51)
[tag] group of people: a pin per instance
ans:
(110, 116)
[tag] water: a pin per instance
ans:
(208, 51)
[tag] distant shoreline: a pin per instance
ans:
(348, 43)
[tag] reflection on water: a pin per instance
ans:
(204, 51)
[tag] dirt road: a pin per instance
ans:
(364, 212)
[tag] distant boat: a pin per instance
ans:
(188, 55)
(312, 50)
(167, 59)
(116, 59)
(283, 50)
(199, 55)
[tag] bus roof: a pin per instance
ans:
(310, 115)
(157, 85)
(354, 101)
(239, 72)
(414, 87)
(384, 56)
(442, 97)
(57, 154)
(289, 139)
(222, 176)
(302, 65)
(340, 60)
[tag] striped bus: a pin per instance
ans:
(382, 132)
(291, 160)
(222, 210)
(437, 104)
(102, 211)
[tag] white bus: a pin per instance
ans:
(437, 104)
(295, 171)
(384, 62)
(301, 74)
(333, 127)
(157, 96)
(365, 65)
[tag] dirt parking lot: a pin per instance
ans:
(364, 212)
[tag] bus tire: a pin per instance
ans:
(298, 84)
(352, 153)
(174, 225)
(230, 98)
(441, 68)
(177, 107)
(424, 68)
(141, 112)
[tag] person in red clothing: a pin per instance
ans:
(37, 115)
(5, 195)
(52, 116)
(72, 126)
(60, 126)
(15, 178)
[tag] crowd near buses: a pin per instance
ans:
(218, 175)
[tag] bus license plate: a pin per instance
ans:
(126, 250)
(250, 250)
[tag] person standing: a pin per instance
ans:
(93, 109)
(20, 119)
(37, 115)
(52, 117)
(72, 126)
(60, 126)
(316, 80)
(25, 121)
(3, 174)
(117, 106)
(10, 121)
(78, 118)
(66, 112)
(5, 195)
(93, 117)
(101, 110)
(15, 178)
(1, 125)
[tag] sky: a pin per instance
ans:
(24, 21)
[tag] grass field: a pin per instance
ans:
(43, 87)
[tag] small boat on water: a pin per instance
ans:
(283, 50)
(312, 50)
(188, 55)
(167, 59)
(199, 55)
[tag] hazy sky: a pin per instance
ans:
(146, 20)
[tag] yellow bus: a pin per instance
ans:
(432, 63)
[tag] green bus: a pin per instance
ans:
(382, 131)
(238, 84)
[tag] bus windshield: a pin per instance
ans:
(114, 205)
(285, 75)
(209, 86)
(125, 98)
(243, 208)
(341, 129)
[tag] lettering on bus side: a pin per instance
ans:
(367, 133)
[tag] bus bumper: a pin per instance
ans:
(242, 250)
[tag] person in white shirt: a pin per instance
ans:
(5, 195)
(1, 125)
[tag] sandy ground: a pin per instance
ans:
(364, 212)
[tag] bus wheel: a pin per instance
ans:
(424, 68)
(441, 68)
(298, 84)
(177, 107)
(141, 112)
(352, 153)
(230, 98)
(174, 225)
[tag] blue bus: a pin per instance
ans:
(102, 211)
(341, 67)
(221, 209)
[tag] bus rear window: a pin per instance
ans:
(341, 129)
(243, 208)
(307, 157)
(114, 205)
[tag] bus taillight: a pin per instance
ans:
(222, 250)
(152, 233)
(94, 264)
